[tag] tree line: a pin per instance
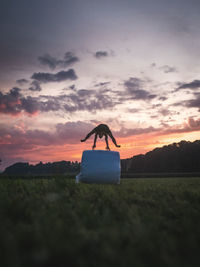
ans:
(60, 167)
(177, 157)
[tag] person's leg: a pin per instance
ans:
(113, 139)
(95, 139)
(107, 145)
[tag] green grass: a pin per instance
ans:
(141, 222)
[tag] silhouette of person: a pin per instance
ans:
(101, 130)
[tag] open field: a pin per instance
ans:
(141, 222)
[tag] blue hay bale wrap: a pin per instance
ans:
(100, 166)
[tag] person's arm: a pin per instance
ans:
(87, 136)
(95, 139)
(113, 139)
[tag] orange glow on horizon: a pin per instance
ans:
(130, 147)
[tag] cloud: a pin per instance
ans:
(153, 65)
(35, 86)
(101, 84)
(14, 103)
(58, 77)
(52, 62)
(164, 68)
(124, 132)
(163, 98)
(134, 89)
(89, 100)
(192, 85)
(64, 133)
(101, 54)
(22, 81)
(191, 103)
(191, 125)
(10, 102)
(168, 69)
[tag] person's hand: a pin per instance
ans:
(118, 146)
(82, 140)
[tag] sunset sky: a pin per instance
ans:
(66, 66)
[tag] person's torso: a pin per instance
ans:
(102, 129)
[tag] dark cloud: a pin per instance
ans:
(168, 69)
(14, 103)
(164, 68)
(192, 85)
(10, 102)
(22, 81)
(58, 77)
(52, 62)
(101, 84)
(166, 112)
(153, 65)
(134, 90)
(72, 86)
(86, 100)
(191, 103)
(163, 98)
(101, 54)
(35, 86)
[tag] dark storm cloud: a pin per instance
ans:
(168, 69)
(35, 86)
(44, 77)
(52, 62)
(101, 54)
(192, 85)
(22, 81)
(134, 90)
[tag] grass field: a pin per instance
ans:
(141, 222)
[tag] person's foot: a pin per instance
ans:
(107, 148)
(118, 146)
(93, 147)
(82, 140)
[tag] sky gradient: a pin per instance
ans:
(66, 66)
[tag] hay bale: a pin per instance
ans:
(100, 166)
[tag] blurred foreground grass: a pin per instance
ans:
(141, 222)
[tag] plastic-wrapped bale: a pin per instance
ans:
(100, 166)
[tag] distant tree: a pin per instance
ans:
(177, 157)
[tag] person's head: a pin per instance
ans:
(100, 135)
